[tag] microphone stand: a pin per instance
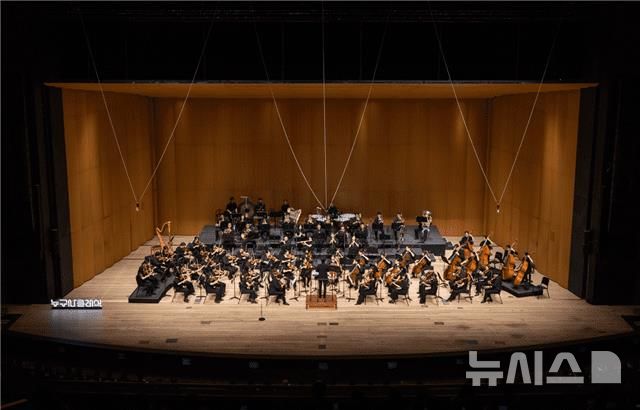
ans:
(233, 283)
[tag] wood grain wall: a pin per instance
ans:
(104, 224)
(538, 204)
(410, 155)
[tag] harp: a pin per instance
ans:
(165, 230)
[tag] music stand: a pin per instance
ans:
(275, 216)
(233, 283)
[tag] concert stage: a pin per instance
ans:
(232, 328)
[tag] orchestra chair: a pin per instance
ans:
(435, 292)
(405, 297)
(175, 293)
(545, 286)
(467, 292)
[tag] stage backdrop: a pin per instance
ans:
(105, 226)
(411, 154)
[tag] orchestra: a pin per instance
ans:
(334, 250)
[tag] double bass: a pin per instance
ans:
(485, 253)
(508, 271)
(522, 271)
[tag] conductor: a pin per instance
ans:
(323, 277)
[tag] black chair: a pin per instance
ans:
(374, 293)
(545, 286)
(493, 291)
(435, 292)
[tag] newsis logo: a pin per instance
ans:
(605, 369)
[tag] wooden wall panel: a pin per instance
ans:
(410, 155)
(104, 224)
(538, 205)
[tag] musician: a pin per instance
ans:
(400, 286)
(367, 287)
(146, 278)
(284, 243)
(319, 237)
(362, 233)
(248, 286)
(397, 226)
(466, 238)
(323, 277)
(428, 286)
(341, 237)
(354, 246)
(213, 284)
(232, 207)
(378, 225)
(276, 288)
(260, 208)
(183, 284)
(493, 287)
(530, 268)
(424, 226)
(482, 279)
(486, 241)
(458, 286)
(332, 211)
(285, 207)
(264, 228)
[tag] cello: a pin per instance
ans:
(419, 266)
(451, 270)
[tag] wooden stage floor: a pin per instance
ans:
(368, 330)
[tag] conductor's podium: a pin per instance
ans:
(314, 302)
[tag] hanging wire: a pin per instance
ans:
(364, 110)
(106, 106)
(324, 111)
(284, 130)
(184, 103)
(526, 128)
(455, 94)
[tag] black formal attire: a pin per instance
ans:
(402, 290)
(217, 288)
(458, 288)
(250, 290)
(275, 288)
(494, 289)
(378, 227)
(232, 207)
(323, 278)
(186, 287)
(429, 288)
(366, 290)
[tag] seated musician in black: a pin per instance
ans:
(276, 289)
(319, 237)
(366, 288)
(232, 206)
(493, 287)
(378, 225)
(213, 284)
(362, 233)
(184, 285)
(466, 238)
(428, 286)
(146, 278)
(247, 288)
(341, 237)
(399, 287)
(458, 286)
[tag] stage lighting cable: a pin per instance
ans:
(364, 110)
(284, 129)
(497, 200)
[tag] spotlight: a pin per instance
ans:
(498, 208)
(137, 206)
